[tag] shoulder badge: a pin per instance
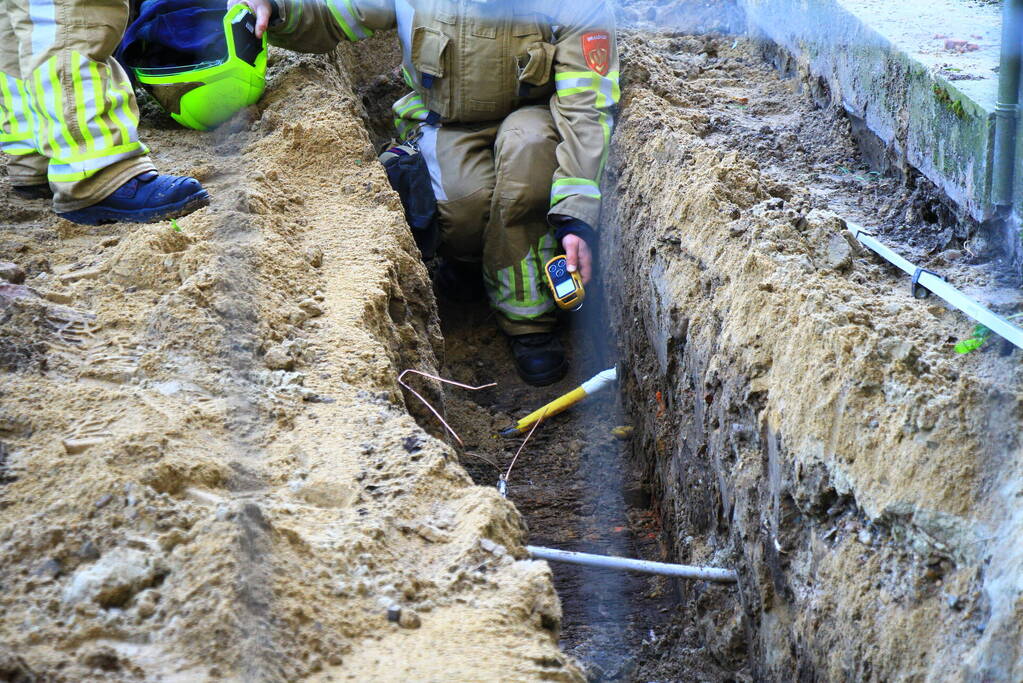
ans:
(597, 51)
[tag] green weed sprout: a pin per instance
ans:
(980, 336)
(174, 224)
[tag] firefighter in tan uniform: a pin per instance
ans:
(511, 109)
(69, 120)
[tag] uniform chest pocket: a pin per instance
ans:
(534, 67)
(527, 24)
(428, 50)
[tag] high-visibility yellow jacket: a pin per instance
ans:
(479, 60)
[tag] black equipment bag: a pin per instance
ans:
(410, 178)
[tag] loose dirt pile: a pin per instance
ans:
(208, 470)
(801, 416)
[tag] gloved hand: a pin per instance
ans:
(577, 239)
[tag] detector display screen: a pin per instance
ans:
(563, 289)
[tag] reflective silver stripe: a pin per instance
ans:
(546, 249)
(346, 16)
(534, 276)
(43, 14)
(54, 119)
(57, 168)
(603, 84)
(607, 89)
(428, 148)
(568, 190)
(569, 83)
(404, 12)
(501, 291)
(116, 111)
(89, 99)
(523, 311)
(18, 147)
(18, 105)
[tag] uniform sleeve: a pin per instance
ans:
(319, 25)
(586, 76)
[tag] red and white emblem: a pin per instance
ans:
(597, 51)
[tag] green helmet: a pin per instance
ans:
(204, 95)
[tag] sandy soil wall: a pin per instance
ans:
(802, 418)
(207, 469)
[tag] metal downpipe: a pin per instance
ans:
(1007, 106)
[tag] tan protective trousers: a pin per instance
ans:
(67, 110)
(492, 182)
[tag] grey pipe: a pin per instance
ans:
(625, 564)
(936, 284)
(1007, 106)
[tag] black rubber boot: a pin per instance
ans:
(40, 191)
(539, 358)
(459, 283)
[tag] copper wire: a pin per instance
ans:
(427, 403)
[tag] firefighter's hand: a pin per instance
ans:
(579, 256)
(262, 10)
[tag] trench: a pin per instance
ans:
(796, 415)
(578, 486)
(706, 478)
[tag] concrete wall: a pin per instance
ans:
(930, 101)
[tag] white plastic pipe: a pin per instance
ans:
(625, 564)
(937, 285)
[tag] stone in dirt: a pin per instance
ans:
(409, 619)
(113, 579)
(12, 272)
(278, 358)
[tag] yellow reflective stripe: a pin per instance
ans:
(98, 98)
(90, 156)
(113, 92)
(58, 107)
(31, 116)
(84, 166)
(607, 92)
(366, 32)
(572, 187)
(79, 88)
(345, 17)
(565, 75)
(46, 127)
(19, 149)
(575, 181)
(292, 21)
(8, 104)
(410, 108)
(575, 82)
(70, 177)
(128, 97)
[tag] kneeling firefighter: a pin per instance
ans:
(510, 110)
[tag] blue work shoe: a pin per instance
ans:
(145, 198)
(539, 358)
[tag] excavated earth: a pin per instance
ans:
(800, 415)
(208, 468)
